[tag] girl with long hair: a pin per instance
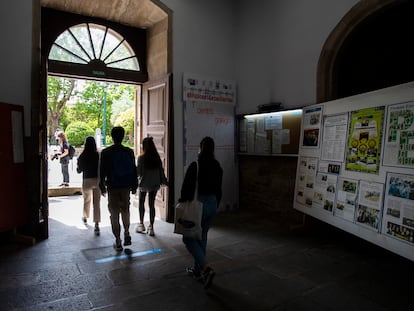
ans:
(150, 178)
(207, 174)
(88, 163)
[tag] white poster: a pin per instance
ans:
(334, 137)
(370, 202)
(346, 198)
(325, 191)
(209, 111)
(399, 142)
(311, 127)
(398, 217)
(209, 89)
(306, 180)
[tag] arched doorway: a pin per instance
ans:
(147, 17)
(369, 49)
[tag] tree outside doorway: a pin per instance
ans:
(84, 108)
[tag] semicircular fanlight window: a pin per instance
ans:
(88, 42)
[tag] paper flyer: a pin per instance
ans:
(399, 142)
(398, 218)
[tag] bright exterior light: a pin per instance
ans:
(261, 115)
(84, 43)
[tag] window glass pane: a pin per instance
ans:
(113, 54)
(130, 64)
(111, 42)
(120, 53)
(66, 40)
(56, 53)
(82, 35)
(97, 34)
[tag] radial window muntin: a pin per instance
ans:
(87, 42)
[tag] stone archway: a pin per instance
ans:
(326, 72)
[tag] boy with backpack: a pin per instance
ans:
(118, 177)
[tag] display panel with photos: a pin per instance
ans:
(375, 177)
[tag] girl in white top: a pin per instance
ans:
(150, 177)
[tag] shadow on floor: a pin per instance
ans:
(260, 265)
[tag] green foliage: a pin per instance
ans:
(93, 103)
(109, 140)
(124, 98)
(92, 100)
(77, 131)
(59, 93)
(126, 120)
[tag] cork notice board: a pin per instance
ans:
(275, 133)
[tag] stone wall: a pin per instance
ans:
(268, 183)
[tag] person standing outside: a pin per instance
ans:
(88, 162)
(63, 158)
(118, 177)
(58, 130)
(150, 177)
(209, 175)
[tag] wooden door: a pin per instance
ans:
(155, 123)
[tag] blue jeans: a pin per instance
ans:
(65, 172)
(197, 248)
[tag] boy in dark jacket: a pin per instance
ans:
(118, 177)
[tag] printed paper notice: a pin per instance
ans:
(325, 190)
(370, 201)
(306, 180)
(312, 119)
(334, 137)
(398, 218)
(346, 199)
(399, 142)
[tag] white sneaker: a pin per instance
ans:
(140, 228)
(150, 230)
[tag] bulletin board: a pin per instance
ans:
(275, 133)
(208, 106)
(357, 174)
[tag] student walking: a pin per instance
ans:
(88, 162)
(208, 174)
(118, 177)
(150, 177)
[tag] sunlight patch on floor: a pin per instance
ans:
(69, 210)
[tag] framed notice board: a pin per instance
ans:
(273, 133)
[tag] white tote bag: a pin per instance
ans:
(187, 219)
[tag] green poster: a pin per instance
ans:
(364, 140)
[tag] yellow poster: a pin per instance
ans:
(364, 140)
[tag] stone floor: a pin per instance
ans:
(260, 265)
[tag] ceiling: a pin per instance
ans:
(134, 13)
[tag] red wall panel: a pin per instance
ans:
(14, 211)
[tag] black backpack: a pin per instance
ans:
(71, 151)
